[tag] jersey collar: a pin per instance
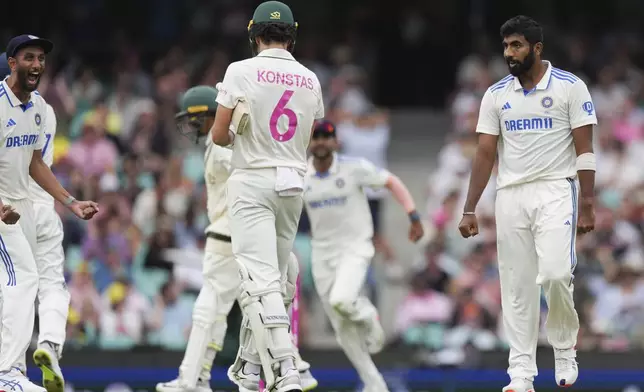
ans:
(276, 53)
(332, 169)
(543, 84)
(11, 97)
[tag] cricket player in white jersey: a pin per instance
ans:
(22, 140)
(342, 231)
(271, 100)
(541, 118)
(53, 296)
(222, 283)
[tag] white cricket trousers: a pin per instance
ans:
(19, 280)
(262, 225)
(536, 232)
(339, 277)
(53, 296)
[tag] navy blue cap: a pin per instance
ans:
(324, 128)
(24, 40)
(4, 66)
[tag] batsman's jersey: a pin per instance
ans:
(336, 204)
(216, 174)
(22, 130)
(535, 127)
(39, 195)
(284, 98)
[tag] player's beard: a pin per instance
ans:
(322, 153)
(524, 66)
(23, 81)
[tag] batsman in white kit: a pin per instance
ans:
(221, 273)
(342, 246)
(272, 101)
(23, 139)
(541, 118)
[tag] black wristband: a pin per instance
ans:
(414, 216)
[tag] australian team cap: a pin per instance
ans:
(199, 99)
(272, 12)
(25, 40)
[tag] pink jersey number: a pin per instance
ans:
(279, 111)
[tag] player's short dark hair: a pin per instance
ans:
(273, 32)
(525, 26)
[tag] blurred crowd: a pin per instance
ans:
(454, 305)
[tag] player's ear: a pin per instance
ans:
(12, 63)
(538, 48)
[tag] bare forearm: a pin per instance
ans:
(221, 138)
(401, 193)
(586, 186)
(220, 130)
(41, 173)
(481, 172)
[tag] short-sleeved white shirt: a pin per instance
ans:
(284, 98)
(39, 195)
(217, 172)
(535, 127)
(22, 130)
(336, 203)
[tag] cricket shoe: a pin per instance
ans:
(519, 385)
(15, 380)
(566, 370)
(290, 381)
(246, 381)
(46, 358)
(177, 385)
(375, 338)
(309, 382)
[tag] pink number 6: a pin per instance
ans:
(279, 111)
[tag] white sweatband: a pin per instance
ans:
(231, 135)
(586, 161)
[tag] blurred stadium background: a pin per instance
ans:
(403, 81)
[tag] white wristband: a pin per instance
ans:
(231, 135)
(586, 161)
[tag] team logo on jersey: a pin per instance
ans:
(37, 119)
(588, 107)
(547, 102)
(339, 183)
